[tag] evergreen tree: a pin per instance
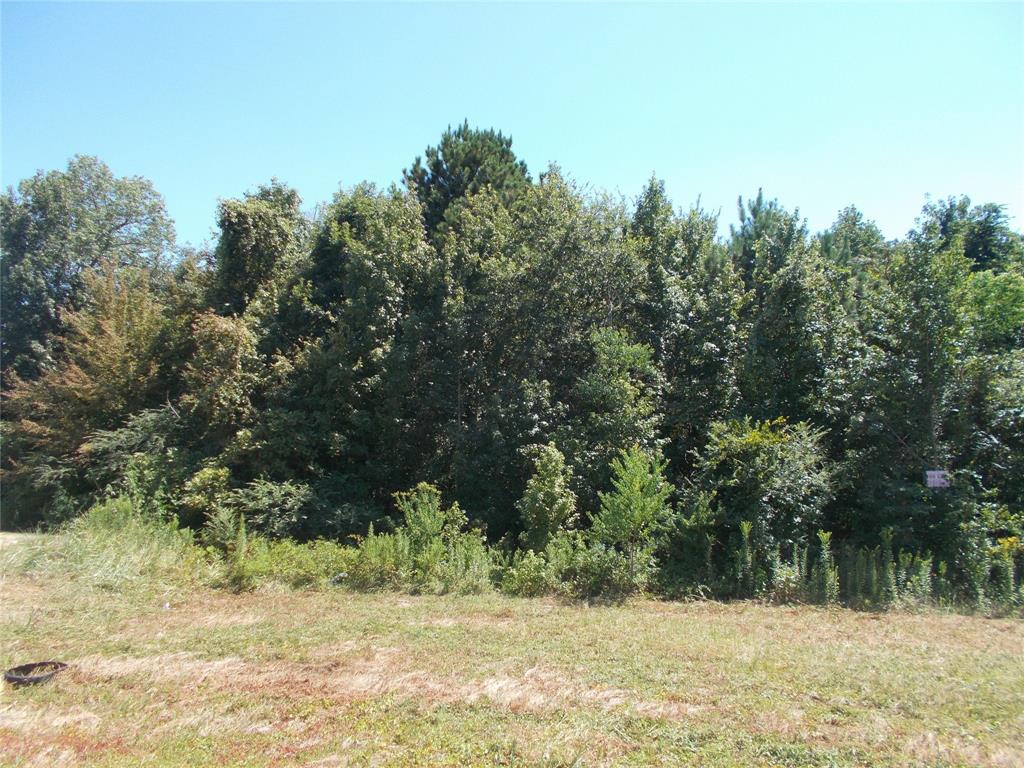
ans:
(464, 162)
(636, 510)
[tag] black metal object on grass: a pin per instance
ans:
(36, 672)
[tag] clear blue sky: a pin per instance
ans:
(822, 105)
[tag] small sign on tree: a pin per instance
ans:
(936, 478)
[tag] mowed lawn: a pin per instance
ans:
(330, 678)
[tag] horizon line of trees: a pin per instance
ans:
(527, 349)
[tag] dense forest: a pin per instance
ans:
(615, 396)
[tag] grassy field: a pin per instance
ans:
(180, 675)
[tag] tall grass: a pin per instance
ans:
(112, 546)
(460, 564)
(120, 545)
(288, 563)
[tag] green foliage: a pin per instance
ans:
(762, 242)
(108, 369)
(548, 504)
(114, 546)
(457, 330)
(994, 311)
(597, 570)
(426, 521)
(275, 509)
(795, 320)
(973, 563)
(312, 564)
(704, 341)
(1004, 588)
(788, 583)
(527, 575)
(630, 519)
(746, 580)
(204, 493)
(984, 232)
(618, 399)
(57, 228)
(770, 475)
(259, 235)
(576, 567)
(221, 376)
(826, 573)
(465, 162)
(430, 553)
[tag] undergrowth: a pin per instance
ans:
(122, 545)
(114, 546)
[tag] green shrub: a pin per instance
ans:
(429, 553)
(467, 567)
(772, 474)
(886, 581)
(634, 513)
(787, 583)
(915, 584)
(859, 583)
(220, 530)
(313, 564)
(745, 561)
(1003, 587)
(204, 495)
(827, 575)
(973, 563)
(600, 571)
(424, 517)
(382, 561)
(548, 504)
(527, 575)
(688, 564)
(276, 509)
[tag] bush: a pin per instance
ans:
(276, 509)
(600, 571)
(826, 574)
(425, 519)
(528, 575)
(202, 496)
(788, 584)
(633, 513)
(548, 504)
(771, 474)
(1003, 582)
(382, 561)
(915, 586)
(430, 553)
(466, 568)
(313, 564)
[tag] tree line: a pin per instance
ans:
(683, 409)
